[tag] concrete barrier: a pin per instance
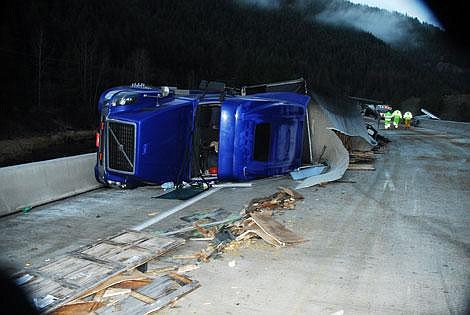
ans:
(33, 184)
(454, 127)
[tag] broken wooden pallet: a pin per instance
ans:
(67, 277)
(128, 294)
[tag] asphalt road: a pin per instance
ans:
(392, 241)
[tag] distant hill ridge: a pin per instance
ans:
(59, 55)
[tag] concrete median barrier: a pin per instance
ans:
(28, 185)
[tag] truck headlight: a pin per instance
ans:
(124, 98)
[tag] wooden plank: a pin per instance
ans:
(161, 245)
(78, 308)
(132, 284)
(257, 231)
(361, 167)
(179, 278)
(151, 298)
(109, 292)
(141, 297)
(126, 276)
(76, 271)
(46, 293)
(169, 299)
(275, 229)
(160, 287)
(130, 237)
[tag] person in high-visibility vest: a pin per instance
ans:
(407, 116)
(387, 119)
(396, 118)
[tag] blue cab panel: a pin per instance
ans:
(151, 135)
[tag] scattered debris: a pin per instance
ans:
(162, 291)
(256, 221)
(23, 279)
(110, 263)
(187, 268)
(201, 238)
(183, 192)
(307, 171)
(361, 167)
(224, 235)
(214, 215)
(231, 218)
(25, 210)
(361, 161)
(111, 276)
(115, 291)
(210, 233)
(361, 156)
(271, 231)
(284, 199)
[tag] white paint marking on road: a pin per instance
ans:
(388, 182)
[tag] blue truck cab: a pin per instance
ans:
(152, 135)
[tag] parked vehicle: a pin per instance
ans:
(152, 135)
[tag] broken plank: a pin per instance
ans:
(257, 231)
(179, 278)
(170, 298)
(149, 299)
(129, 275)
(115, 291)
(293, 193)
(275, 229)
(141, 297)
(78, 308)
(132, 284)
(361, 167)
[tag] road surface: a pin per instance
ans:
(390, 241)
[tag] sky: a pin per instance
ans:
(413, 8)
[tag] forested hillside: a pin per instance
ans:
(57, 56)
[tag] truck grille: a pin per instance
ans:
(121, 146)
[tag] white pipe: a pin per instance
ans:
(233, 185)
(173, 210)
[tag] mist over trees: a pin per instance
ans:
(58, 56)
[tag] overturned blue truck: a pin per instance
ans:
(152, 135)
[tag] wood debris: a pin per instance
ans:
(285, 198)
(162, 292)
(271, 231)
(361, 161)
(84, 280)
(361, 167)
(208, 233)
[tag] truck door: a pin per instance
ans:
(260, 137)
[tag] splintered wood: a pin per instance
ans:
(271, 231)
(76, 283)
(361, 161)
(260, 223)
(285, 198)
(144, 298)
